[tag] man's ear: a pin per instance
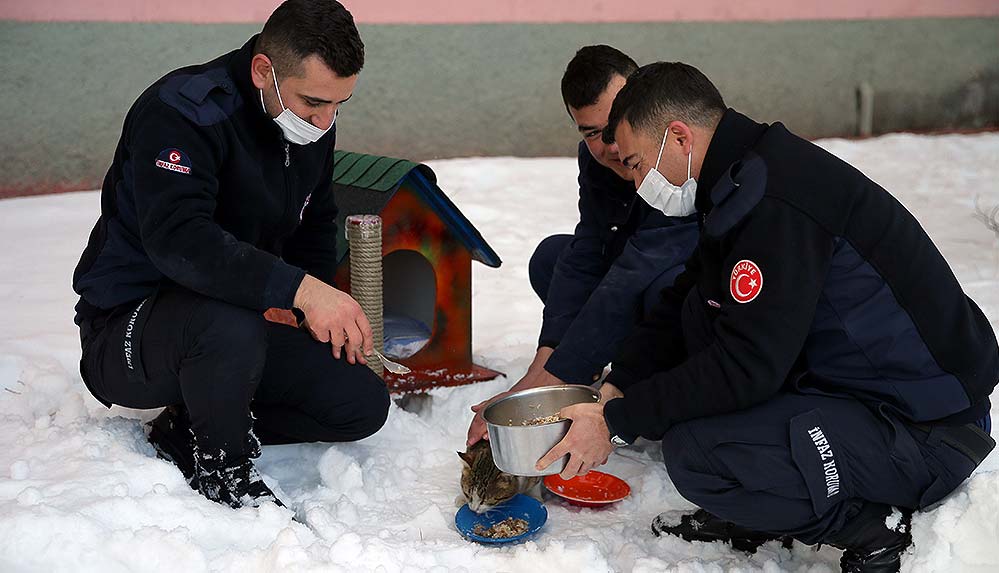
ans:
(683, 134)
(260, 71)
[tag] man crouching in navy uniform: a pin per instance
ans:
(598, 282)
(816, 372)
(218, 206)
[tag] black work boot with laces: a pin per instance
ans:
(171, 437)
(232, 481)
(874, 539)
(703, 526)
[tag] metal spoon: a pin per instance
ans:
(393, 367)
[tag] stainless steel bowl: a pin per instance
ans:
(517, 447)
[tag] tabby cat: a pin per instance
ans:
(484, 486)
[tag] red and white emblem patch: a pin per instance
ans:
(173, 159)
(746, 282)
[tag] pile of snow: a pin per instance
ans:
(81, 490)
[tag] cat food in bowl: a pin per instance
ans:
(509, 527)
(524, 426)
(513, 520)
(595, 489)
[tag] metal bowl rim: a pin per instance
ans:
(539, 390)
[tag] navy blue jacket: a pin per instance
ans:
(620, 246)
(204, 191)
(809, 276)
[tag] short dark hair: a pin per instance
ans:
(301, 28)
(589, 72)
(659, 93)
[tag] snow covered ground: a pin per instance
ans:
(81, 490)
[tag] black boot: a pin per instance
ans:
(874, 539)
(231, 481)
(703, 526)
(171, 437)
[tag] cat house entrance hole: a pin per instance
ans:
(409, 291)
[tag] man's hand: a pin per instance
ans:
(477, 429)
(536, 377)
(587, 443)
(333, 316)
(608, 392)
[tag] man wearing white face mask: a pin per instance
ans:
(218, 206)
(816, 372)
(294, 128)
(597, 282)
(657, 191)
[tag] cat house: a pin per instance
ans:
(428, 247)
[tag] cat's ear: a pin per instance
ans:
(465, 458)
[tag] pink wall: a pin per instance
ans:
(477, 11)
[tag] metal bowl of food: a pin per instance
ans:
(524, 426)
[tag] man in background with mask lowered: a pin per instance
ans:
(596, 283)
(218, 206)
(817, 371)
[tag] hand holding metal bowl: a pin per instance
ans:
(522, 427)
(588, 442)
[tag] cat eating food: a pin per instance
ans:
(484, 486)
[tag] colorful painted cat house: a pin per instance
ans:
(428, 247)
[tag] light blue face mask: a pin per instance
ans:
(295, 129)
(658, 192)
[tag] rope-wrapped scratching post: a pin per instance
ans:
(364, 236)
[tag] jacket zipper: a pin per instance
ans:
(289, 192)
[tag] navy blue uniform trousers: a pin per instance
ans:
(223, 362)
(801, 463)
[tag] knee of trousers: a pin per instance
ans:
(688, 464)
(369, 409)
(375, 410)
(542, 263)
(228, 332)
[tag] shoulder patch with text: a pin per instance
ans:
(746, 282)
(173, 159)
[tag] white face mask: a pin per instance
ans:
(660, 193)
(294, 128)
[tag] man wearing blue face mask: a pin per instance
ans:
(218, 206)
(597, 282)
(816, 372)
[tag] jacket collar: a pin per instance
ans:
(735, 135)
(239, 70)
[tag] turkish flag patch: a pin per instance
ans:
(175, 160)
(746, 282)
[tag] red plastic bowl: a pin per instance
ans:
(594, 489)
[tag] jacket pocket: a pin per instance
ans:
(698, 318)
(952, 454)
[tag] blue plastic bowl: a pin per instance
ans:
(520, 507)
